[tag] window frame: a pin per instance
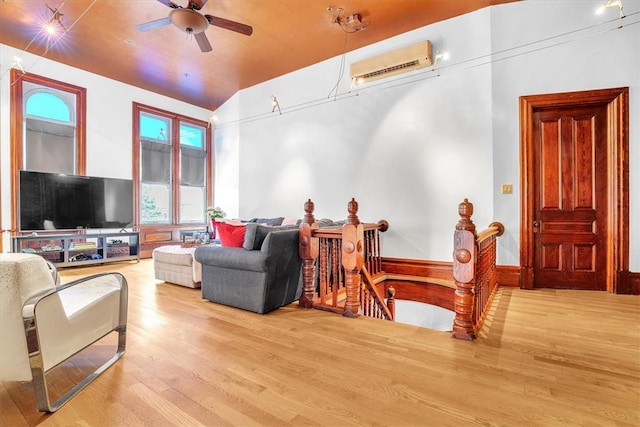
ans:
(17, 117)
(176, 119)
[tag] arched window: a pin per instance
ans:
(50, 136)
(47, 105)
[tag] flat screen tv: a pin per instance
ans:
(57, 201)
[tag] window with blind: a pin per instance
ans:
(173, 167)
(49, 143)
(48, 129)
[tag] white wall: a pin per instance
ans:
(424, 142)
(109, 119)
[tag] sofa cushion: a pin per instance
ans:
(289, 221)
(254, 235)
(231, 258)
(268, 221)
(230, 235)
(325, 222)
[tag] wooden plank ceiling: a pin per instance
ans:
(287, 35)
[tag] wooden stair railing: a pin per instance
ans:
(339, 255)
(474, 272)
(342, 269)
(371, 301)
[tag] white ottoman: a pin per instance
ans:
(174, 264)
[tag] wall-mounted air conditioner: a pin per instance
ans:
(398, 61)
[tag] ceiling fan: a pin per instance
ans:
(190, 21)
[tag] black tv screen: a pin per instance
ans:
(57, 201)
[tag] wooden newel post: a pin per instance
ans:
(352, 259)
(391, 301)
(308, 249)
(464, 254)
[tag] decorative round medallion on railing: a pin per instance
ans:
(348, 247)
(463, 256)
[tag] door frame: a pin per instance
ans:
(617, 244)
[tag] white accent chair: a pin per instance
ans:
(42, 325)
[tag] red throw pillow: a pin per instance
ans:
(230, 235)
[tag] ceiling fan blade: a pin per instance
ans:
(203, 42)
(169, 3)
(151, 25)
(247, 30)
(196, 4)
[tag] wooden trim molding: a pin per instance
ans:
(424, 271)
(617, 250)
(506, 275)
(628, 283)
(634, 279)
(415, 267)
(155, 236)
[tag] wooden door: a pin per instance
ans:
(570, 203)
(574, 157)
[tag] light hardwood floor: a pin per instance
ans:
(544, 357)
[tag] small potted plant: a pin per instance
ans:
(213, 214)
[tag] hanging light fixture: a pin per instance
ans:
(275, 104)
(212, 120)
(439, 56)
(350, 23)
(17, 63)
(612, 3)
(50, 26)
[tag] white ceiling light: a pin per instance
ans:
(188, 21)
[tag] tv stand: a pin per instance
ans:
(76, 250)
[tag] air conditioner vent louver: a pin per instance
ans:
(411, 64)
(403, 60)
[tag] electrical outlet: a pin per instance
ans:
(507, 189)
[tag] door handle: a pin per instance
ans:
(535, 226)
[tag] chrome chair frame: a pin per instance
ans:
(36, 362)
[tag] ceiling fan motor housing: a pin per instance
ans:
(188, 21)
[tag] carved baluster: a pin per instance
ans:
(338, 256)
(336, 279)
(324, 269)
(373, 251)
(308, 251)
(374, 307)
(375, 243)
(352, 258)
(364, 297)
(367, 251)
(464, 255)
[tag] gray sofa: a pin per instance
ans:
(261, 276)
